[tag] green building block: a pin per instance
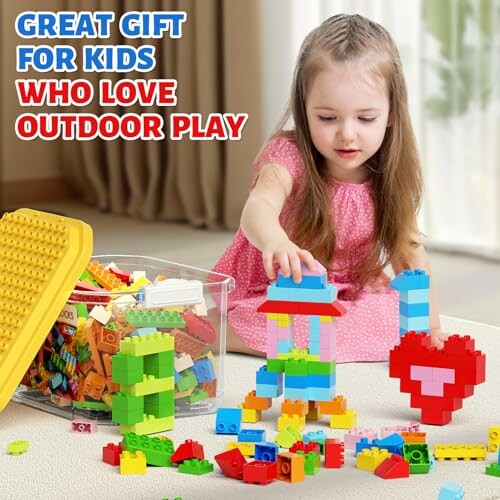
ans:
(149, 385)
(196, 467)
(127, 409)
(287, 437)
(92, 405)
(418, 456)
(493, 470)
(154, 318)
(150, 425)
(296, 367)
(81, 310)
(160, 364)
(321, 367)
(83, 353)
(142, 345)
(276, 365)
(127, 369)
(85, 276)
(157, 451)
(187, 380)
(311, 462)
(18, 447)
(111, 326)
(197, 395)
(160, 404)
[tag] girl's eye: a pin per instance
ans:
(327, 118)
(367, 118)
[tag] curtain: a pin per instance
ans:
(216, 65)
(451, 55)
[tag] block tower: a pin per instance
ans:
(306, 376)
(144, 368)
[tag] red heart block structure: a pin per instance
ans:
(437, 379)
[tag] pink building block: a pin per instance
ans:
(84, 426)
(354, 435)
(398, 429)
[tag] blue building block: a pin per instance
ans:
(403, 331)
(146, 330)
(268, 378)
(176, 376)
(432, 461)
(291, 393)
(228, 421)
(285, 346)
(266, 452)
(268, 390)
(322, 380)
(310, 282)
(204, 370)
(392, 443)
(321, 393)
(451, 491)
(418, 323)
(411, 280)
(411, 310)
(363, 444)
(252, 436)
(414, 296)
(314, 436)
(296, 381)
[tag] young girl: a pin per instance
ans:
(343, 187)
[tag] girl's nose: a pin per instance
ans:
(347, 131)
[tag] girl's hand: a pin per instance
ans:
(289, 257)
(438, 337)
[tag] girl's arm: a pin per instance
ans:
(260, 223)
(419, 260)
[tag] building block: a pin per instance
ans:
(188, 450)
(493, 438)
(228, 421)
(393, 467)
(305, 447)
(231, 463)
(369, 460)
(199, 327)
(418, 457)
(413, 437)
(250, 415)
(257, 403)
(323, 295)
(260, 472)
(460, 451)
(295, 421)
(363, 444)
(154, 318)
(393, 443)
(104, 277)
(42, 258)
(298, 407)
(157, 451)
(127, 408)
(111, 454)
(311, 462)
(451, 491)
(196, 467)
(313, 413)
(252, 435)
(347, 420)
(287, 437)
(84, 426)
(290, 467)
(354, 435)
(203, 370)
(127, 369)
(18, 447)
(132, 463)
(493, 470)
(334, 453)
(247, 449)
(268, 391)
(411, 280)
(266, 451)
(147, 344)
(149, 425)
(337, 406)
(183, 362)
(335, 309)
(264, 376)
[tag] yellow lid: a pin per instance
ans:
(41, 258)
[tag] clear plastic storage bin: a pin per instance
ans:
(71, 374)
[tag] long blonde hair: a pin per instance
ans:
(394, 170)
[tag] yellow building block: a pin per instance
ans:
(296, 421)
(475, 451)
(132, 463)
(284, 319)
(346, 420)
(41, 258)
(326, 319)
(370, 459)
(250, 415)
(247, 449)
(493, 438)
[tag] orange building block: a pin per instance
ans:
(290, 467)
(108, 340)
(104, 277)
(183, 342)
(210, 388)
(313, 414)
(94, 385)
(257, 403)
(337, 406)
(89, 332)
(297, 407)
(414, 437)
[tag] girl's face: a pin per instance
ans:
(348, 114)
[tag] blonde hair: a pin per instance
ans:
(394, 170)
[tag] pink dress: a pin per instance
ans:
(370, 328)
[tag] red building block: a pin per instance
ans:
(259, 472)
(334, 453)
(111, 453)
(306, 448)
(188, 450)
(231, 463)
(393, 467)
(199, 327)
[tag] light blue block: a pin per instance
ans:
(309, 282)
(314, 323)
(321, 393)
(291, 393)
(324, 295)
(268, 391)
(314, 348)
(411, 280)
(403, 332)
(228, 421)
(414, 310)
(143, 331)
(252, 436)
(418, 323)
(284, 346)
(318, 436)
(414, 296)
(451, 491)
